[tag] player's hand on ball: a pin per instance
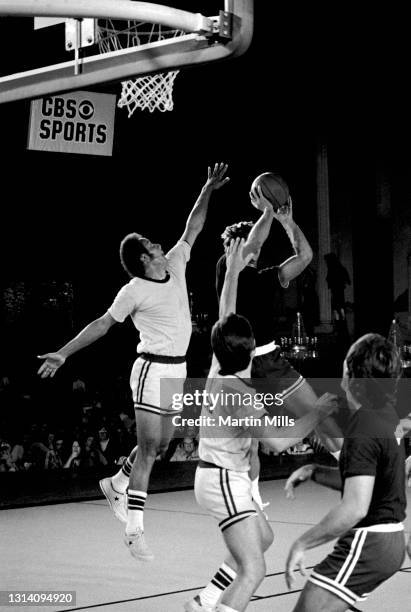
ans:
(284, 213)
(216, 177)
(53, 361)
(259, 201)
(297, 477)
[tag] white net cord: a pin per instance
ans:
(153, 92)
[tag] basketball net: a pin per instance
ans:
(151, 92)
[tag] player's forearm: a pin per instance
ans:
(291, 435)
(338, 521)
(197, 217)
(299, 242)
(92, 332)
(327, 476)
(228, 300)
(259, 232)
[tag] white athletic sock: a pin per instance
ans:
(120, 480)
(224, 608)
(221, 580)
(135, 510)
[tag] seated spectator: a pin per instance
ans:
(186, 451)
(74, 462)
(60, 450)
(93, 458)
(108, 446)
(53, 460)
(6, 463)
(18, 450)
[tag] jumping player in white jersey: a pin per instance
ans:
(222, 483)
(156, 300)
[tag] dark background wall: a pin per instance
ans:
(309, 76)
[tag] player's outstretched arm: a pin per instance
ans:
(235, 262)
(293, 266)
(325, 475)
(288, 436)
(261, 229)
(92, 332)
(216, 178)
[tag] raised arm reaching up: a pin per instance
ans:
(215, 179)
(261, 230)
(235, 261)
(303, 254)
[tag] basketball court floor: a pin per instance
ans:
(78, 547)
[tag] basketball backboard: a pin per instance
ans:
(202, 39)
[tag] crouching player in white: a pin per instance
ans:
(222, 483)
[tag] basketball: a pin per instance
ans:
(274, 188)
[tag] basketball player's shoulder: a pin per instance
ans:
(180, 251)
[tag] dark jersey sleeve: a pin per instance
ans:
(360, 458)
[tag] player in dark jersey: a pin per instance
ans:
(371, 476)
(260, 293)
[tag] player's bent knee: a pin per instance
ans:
(268, 539)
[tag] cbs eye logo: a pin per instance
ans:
(85, 109)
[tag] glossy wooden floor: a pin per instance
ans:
(78, 547)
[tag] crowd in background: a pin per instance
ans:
(86, 430)
(82, 430)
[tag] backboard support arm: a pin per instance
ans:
(161, 56)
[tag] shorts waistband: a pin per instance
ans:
(208, 464)
(265, 348)
(162, 358)
(383, 528)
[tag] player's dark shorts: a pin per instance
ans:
(361, 560)
(271, 373)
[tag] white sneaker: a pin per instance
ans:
(115, 499)
(195, 605)
(137, 546)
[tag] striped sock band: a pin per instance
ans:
(221, 580)
(135, 510)
(223, 577)
(126, 467)
(136, 500)
(120, 480)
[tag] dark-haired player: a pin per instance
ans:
(371, 476)
(157, 302)
(260, 293)
(222, 483)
